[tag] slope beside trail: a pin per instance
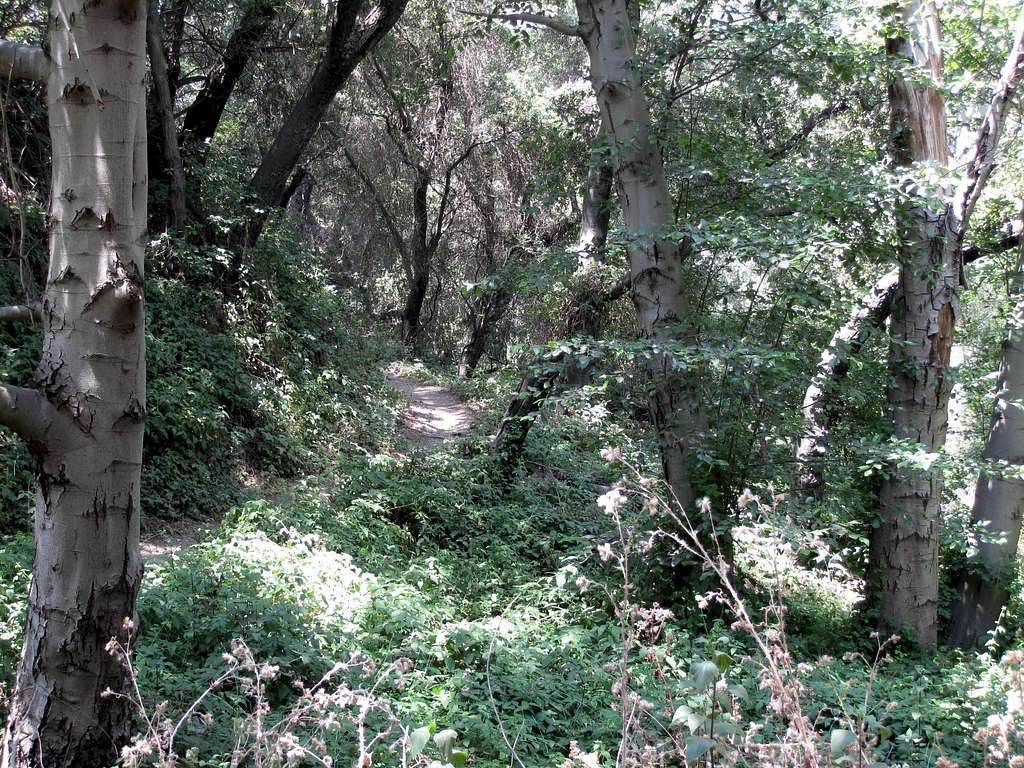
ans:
(433, 413)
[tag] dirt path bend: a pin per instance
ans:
(433, 413)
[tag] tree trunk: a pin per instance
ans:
(422, 258)
(480, 325)
(350, 39)
(656, 258)
(85, 422)
(998, 501)
(904, 553)
(819, 407)
(165, 108)
(587, 301)
(203, 116)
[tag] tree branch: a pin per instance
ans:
(446, 192)
(21, 312)
(23, 62)
(982, 159)
(807, 128)
(25, 411)
(537, 19)
(389, 221)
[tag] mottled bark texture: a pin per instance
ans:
(657, 258)
(903, 567)
(818, 409)
(998, 502)
(84, 423)
(357, 29)
(819, 404)
(982, 588)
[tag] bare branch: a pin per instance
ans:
(537, 19)
(21, 312)
(25, 411)
(23, 62)
(982, 159)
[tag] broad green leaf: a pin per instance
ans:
(418, 740)
(842, 740)
(703, 674)
(459, 758)
(445, 741)
(697, 747)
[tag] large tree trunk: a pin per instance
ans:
(904, 555)
(998, 501)
(819, 404)
(903, 567)
(656, 257)
(85, 422)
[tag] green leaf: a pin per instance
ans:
(459, 758)
(418, 740)
(697, 747)
(722, 661)
(842, 740)
(739, 692)
(445, 741)
(703, 674)
(681, 714)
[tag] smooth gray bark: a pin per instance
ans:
(84, 423)
(657, 259)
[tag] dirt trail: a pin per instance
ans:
(434, 413)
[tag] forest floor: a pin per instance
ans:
(433, 413)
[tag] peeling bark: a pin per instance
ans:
(85, 422)
(904, 553)
(903, 566)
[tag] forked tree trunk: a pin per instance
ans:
(85, 421)
(656, 258)
(998, 501)
(819, 405)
